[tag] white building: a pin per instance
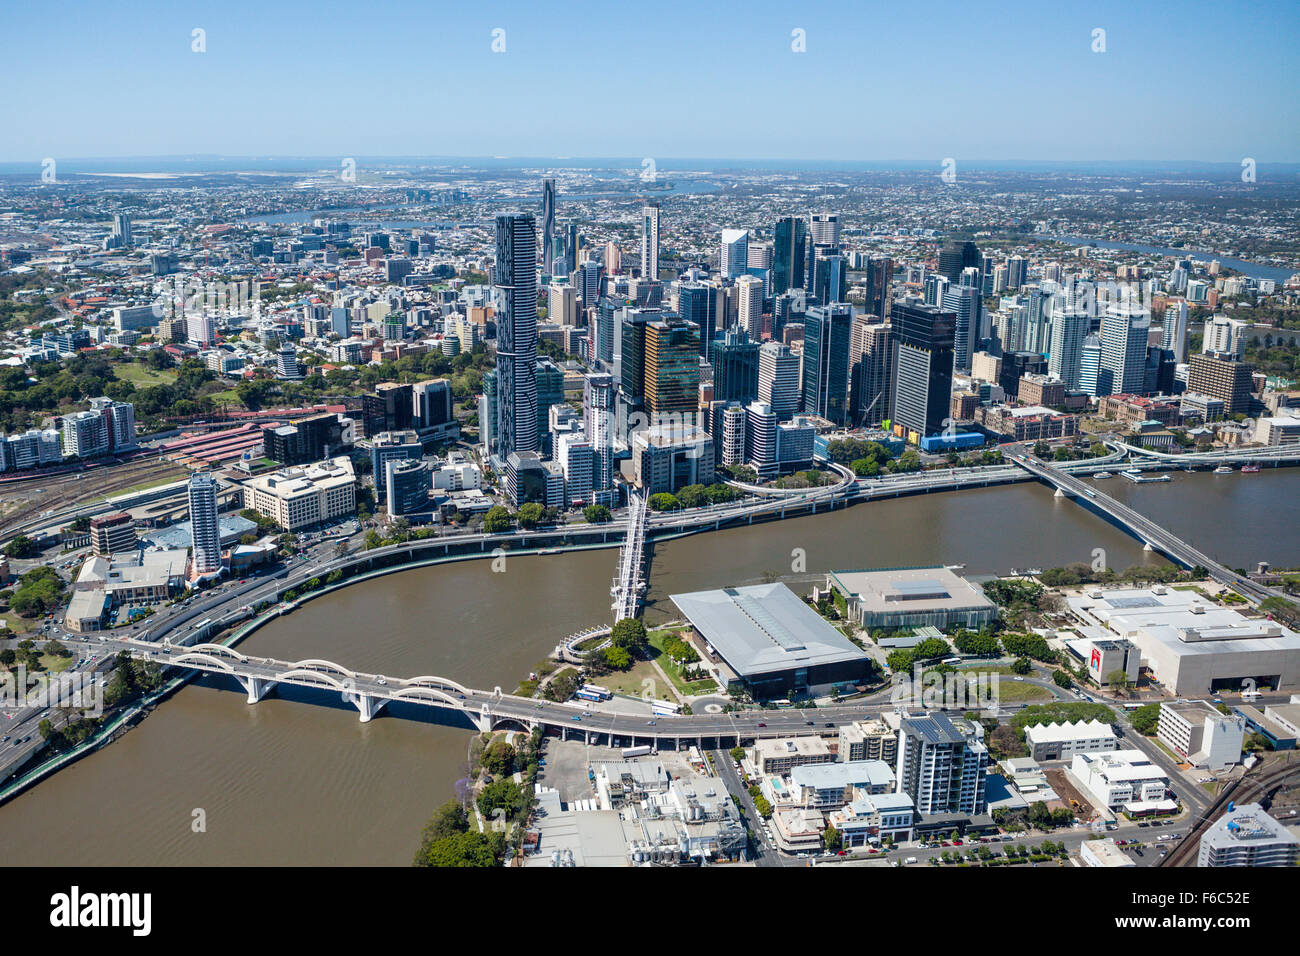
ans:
(1062, 741)
(1122, 780)
(1196, 730)
(1104, 853)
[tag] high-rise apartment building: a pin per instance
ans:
(650, 241)
(942, 764)
(548, 226)
(778, 379)
(515, 277)
(871, 354)
(1124, 331)
(749, 311)
(205, 530)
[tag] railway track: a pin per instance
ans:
(1248, 789)
(68, 491)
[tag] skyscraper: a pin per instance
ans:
(1124, 330)
(750, 309)
(1174, 329)
(957, 255)
(733, 256)
(672, 367)
(778, 379)
(650, 241)
(515, 276)
(923, 350)
(205, 532)
(734, 358)
(964, 302)
(698, 302)
(1069, 330)
(598, 423)
(871, 355)
(548, 225)
(880, 273)
(789, 254)
(826, 338)
(1090, 366)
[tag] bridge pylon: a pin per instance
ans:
(257, 687)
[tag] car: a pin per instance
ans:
(1017, 678)
(830, 723)
(761, 724)
(381, 680)
(462, 697)
(576, 717)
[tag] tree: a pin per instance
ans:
(496, 520)
(1022, 665)
(530, 514)
(663, 501)
(596, 514)
(504, 794)
(463, 850)
(21, 547)
(629, 634)
(831, 838)
(499, 758)
(1118, 679)
(617, 658)
(1062, 679)
(1145, 719)
(737, 754)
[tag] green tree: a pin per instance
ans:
(463, 850)
(530, 514)
(1145, 719)
(499, 758)
(21, 547)
(831, 839)
(596, 514)
(663, 501)
(617, 658)
(1022, 665)
(629, 634)
(496, 520)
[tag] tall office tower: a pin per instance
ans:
(759, 257)
(550, 392)
(761, 441)
(1015, 366)
(923, 349)
(871, 355)
(205, 532)
(589, 283)
(515, 276)
(824, 229)
(122, 230)
(1090, 367)
(1224, 337)
(1069, 330)
(788, 310)
(830, 278)
(1017, 272)
(778, 379)
(598, 423)
(880, 273)
(605, 330)
(672, 368)
(943, 764)
(1124, 330)
(562, 303)
(570, 248)
(749, 312)
(957, 255)
(734, 358)
(614, 257)
(1178, 280)
(698, 302)
(630, 350)
(431, 403)
(733, 435)
(650, 241)
(971, 276)
(826, 335)
(548, 225)
(1198, 290)
(1052, 272)
(733, 256)
(964, 301)
(935, 286)
(1174, 329)
(789, 255)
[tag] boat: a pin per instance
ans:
(1223, 470)
(1249, 469)
(1102, 474)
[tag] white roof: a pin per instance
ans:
(1054, 732)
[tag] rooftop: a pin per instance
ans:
(902, 588)
(764, 628)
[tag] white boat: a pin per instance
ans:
(1223, 470)
(1102, 474)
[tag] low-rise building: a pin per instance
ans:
(869, 739)
(1104, 853)
(1122, 780)
(778, 757)
(1062, 741)
(911, 597)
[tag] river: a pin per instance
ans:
(299, 779)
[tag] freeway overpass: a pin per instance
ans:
(1143, 528)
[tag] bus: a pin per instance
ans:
(583, 694)
(951, 660)
(202, 624)
(663, 708)
(1133, 706)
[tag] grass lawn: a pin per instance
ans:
(141, 376)
(1015, 692)
(175, 476)
(15, 626)
(56, 664)
(631, 682)
(229, 396)
(687, 688)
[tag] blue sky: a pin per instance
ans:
(900, 80)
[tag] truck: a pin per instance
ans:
(910, 860)
(636, 751)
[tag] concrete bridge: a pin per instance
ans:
(1153, 536)
(489, 710)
